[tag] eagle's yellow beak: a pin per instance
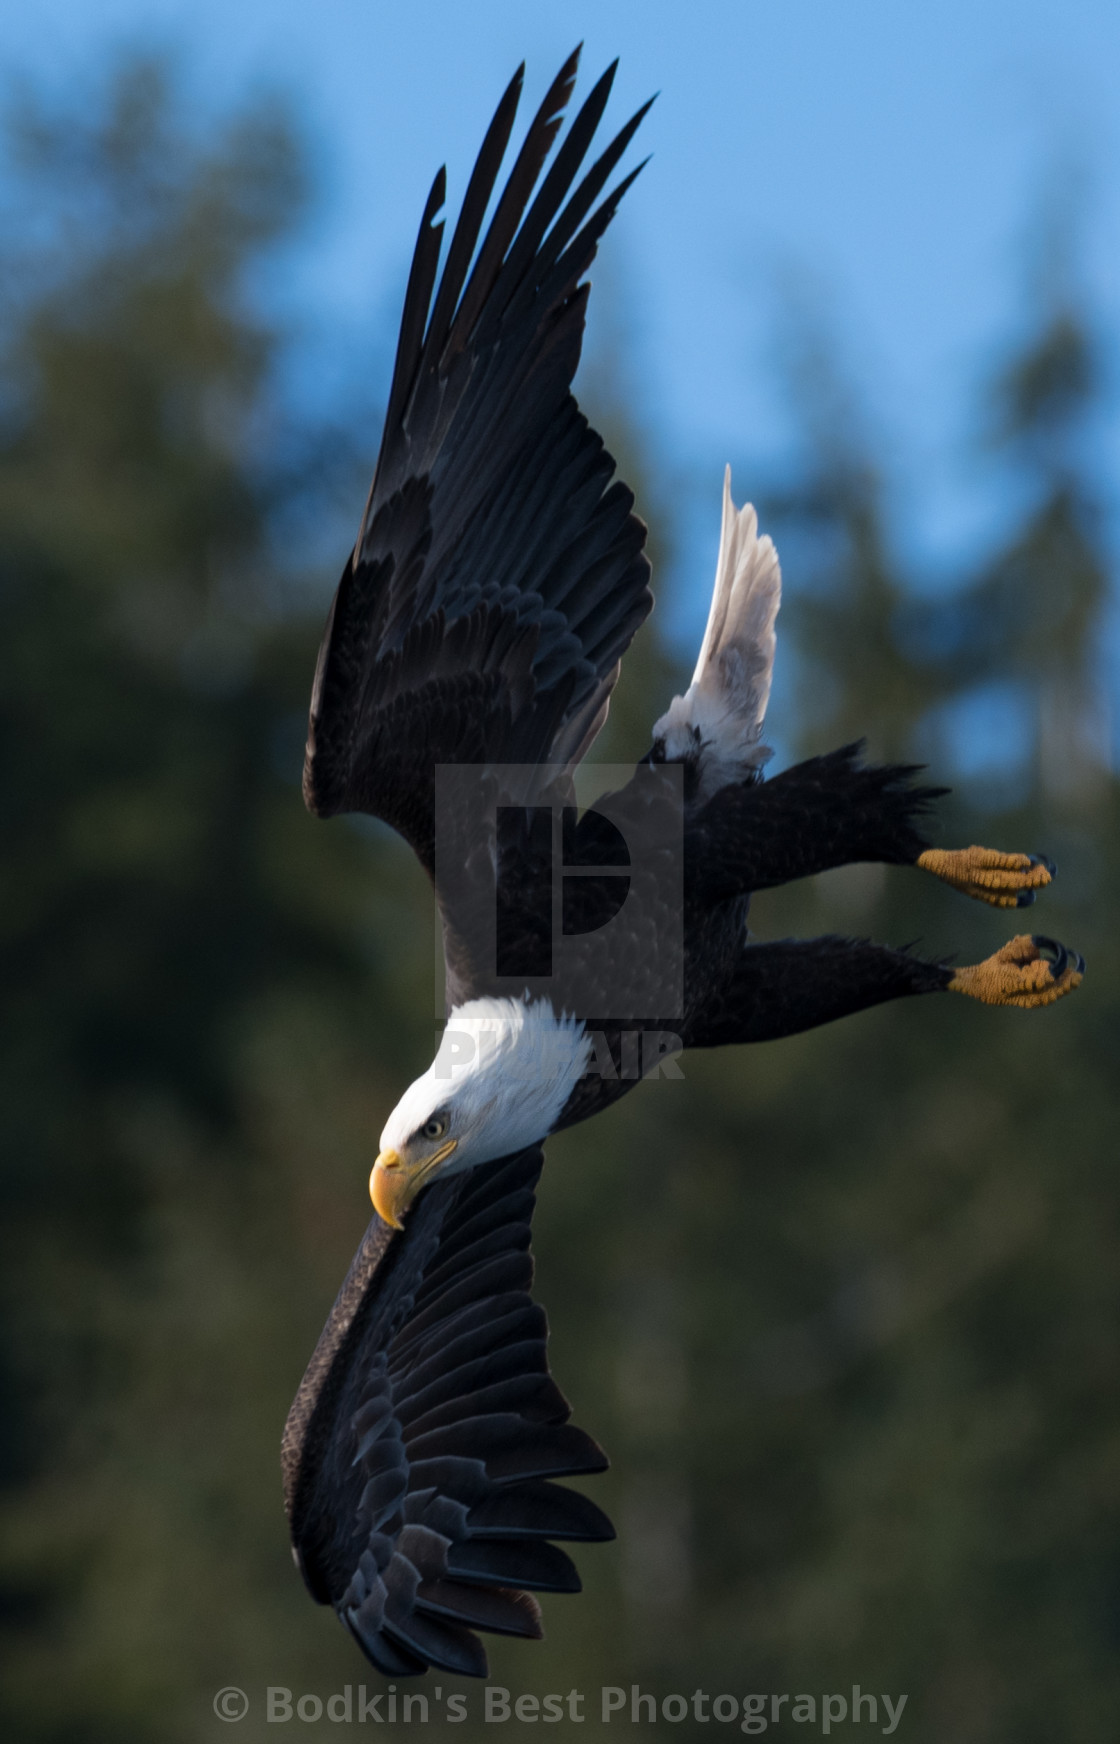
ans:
(394, 1183)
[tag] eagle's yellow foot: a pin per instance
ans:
(1021, 975)
(1004, 880)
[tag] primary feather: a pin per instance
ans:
(498, 574)
(420, 1452)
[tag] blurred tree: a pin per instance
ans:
(911, 1316)
(176, 933)
(1033, 616)
(855, 677)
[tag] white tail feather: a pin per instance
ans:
(720, 715)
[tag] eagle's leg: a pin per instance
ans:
(817, 815)
(1004, 880)
(781, 988)
(791, 985)
(832, 811)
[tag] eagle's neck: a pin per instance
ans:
(506, 1067)
(515, 1063)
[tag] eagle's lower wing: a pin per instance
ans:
(418, 1452)
(499, 575)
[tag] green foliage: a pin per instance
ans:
(843, 1309)
(182, 945)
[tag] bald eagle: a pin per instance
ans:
(469, 656)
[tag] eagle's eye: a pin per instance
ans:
(436, 1127)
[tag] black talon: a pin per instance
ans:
(1061, 955)
(1025, 898)
(1044, 860)
(1080, 963)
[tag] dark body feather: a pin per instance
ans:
(497, 579)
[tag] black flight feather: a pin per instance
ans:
(419, 1451)
(492, 495)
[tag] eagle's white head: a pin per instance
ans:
(503, 1072)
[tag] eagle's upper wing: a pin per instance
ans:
(498, 575)
(418, 1452)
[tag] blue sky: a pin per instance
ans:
(889, 153)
